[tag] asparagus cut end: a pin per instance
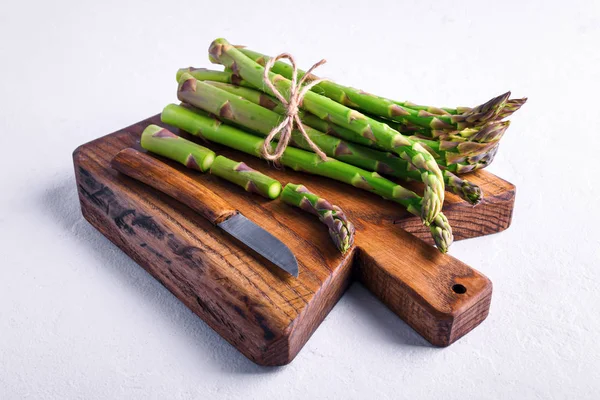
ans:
(207, 162)
(152, 130)
(274, 190)
(180, 72)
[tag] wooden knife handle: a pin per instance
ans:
(439, 296)
(160, 176)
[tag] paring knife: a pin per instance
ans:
(160, 176)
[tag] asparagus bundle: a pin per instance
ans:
(246, 177)
(340, 229)
(242, 113)
(205, 74)
(224, 53)
(203, 125)
(361, 134)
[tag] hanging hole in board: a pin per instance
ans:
(459, 289)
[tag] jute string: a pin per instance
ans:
(297, 93)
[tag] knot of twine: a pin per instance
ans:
(297, 93)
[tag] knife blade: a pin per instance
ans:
(261, 241)
(149, 170)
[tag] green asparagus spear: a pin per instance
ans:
(204, 74)
(356, 155)
(341, 229)
(451, 154)
(491, 132)
(254, 96)
(509, 108)
(482, 160)
(463, 188)
(201, 124)
(163, 142)
(391, 109)
(246, 177)
(328, 109)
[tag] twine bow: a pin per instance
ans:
(297, 93)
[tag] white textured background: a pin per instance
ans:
(78, 319)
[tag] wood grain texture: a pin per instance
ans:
(266, 314)
(439, 296)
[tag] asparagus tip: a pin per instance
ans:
(340, 229)
(442, 233)
(491, 132)
(433, 198)
(472, 193)
(511, 107)
(483, 113)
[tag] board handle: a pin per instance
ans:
(439, 296)
(147, 169)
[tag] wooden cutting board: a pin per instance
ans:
(265, 313)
